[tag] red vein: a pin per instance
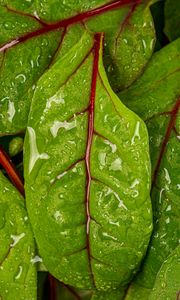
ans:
(13, 174)
(58, 47)
(89, 142)
(72, 291)
(6, 256)
(69, 21)
(35, 17)
(170, 127)
(125, 22)
(52, 287)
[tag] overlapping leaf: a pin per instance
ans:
(34, 41)
(167, 281)
(155, 97)
(87, 174)
(17, 249)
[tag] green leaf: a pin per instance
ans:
(29, 45)
(17, 273)
(172, 19)
(20, 67)
(167, 280)
(155, 97)
(129, 47)
(87, 174)
(112, 295)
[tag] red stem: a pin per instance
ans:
(52, 287)
(96, 50)
(171, 125)
(11, 170)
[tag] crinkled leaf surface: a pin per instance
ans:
(172, 19)
(17, 273)
(32, 33)
(167, 281)
(87, 174)
(155, 97)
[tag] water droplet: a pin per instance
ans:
(113, 146)
(34, 153)
(11, 111)
(168, 208)
(61, 175)
(126, 67)
(61, 196)
(125, 41)
(57, 215)
(18, 275)
(134, 193)
(17, 238)
(66, 125)
(45, 42)
(167, 177)
(58, 98)
(9, 25)
(144, 44)
(102, 159)
(152, 44)
(135, 182)
(136, 133)
(110, 69)
(21, 78)
(3, 208)
(167, 220)
(36, 259)
(106, 235)
(116, 165)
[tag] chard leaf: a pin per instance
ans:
(87, 174)
(167, 280)
(172, 19)
(20, 66)
(17, 273)
(155, 97)
(29, 45)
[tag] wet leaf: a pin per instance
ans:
(167, 280)
(130, 47)
(32, 36)
(17, 273)
(87, 196)
(20, 67)
(155, 97)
